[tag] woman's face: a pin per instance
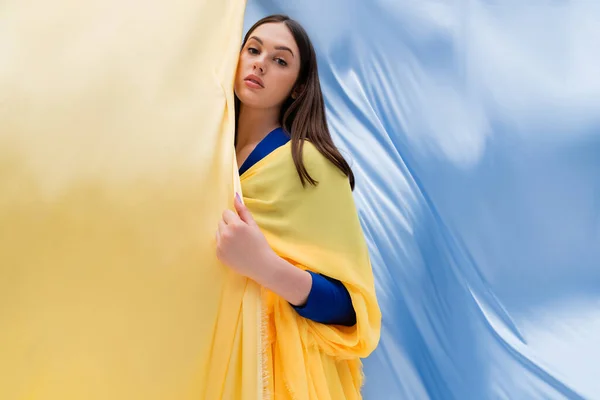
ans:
(268, 67)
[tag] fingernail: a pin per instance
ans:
(237, 196)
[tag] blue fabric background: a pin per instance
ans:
(474, 130)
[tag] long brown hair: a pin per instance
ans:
(304, 117)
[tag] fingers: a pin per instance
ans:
(220, 229)
(243, 211)
(229, 217)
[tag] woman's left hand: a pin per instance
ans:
(240, 243)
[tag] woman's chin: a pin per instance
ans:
(249, 97)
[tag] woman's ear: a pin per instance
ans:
(297, 91)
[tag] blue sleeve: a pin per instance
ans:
(328, 302)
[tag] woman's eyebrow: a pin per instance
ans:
(276, 48)
(285, 48)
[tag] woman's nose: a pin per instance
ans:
(259, 67)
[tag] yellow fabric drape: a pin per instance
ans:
(315, 228)
(116, 162)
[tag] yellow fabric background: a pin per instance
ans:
(116, 161)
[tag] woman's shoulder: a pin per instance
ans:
(313, 157)
(318, 164)
(310, 153)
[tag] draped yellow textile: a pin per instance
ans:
(116, 162)
(315, 228)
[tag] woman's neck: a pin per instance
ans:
(254, 124)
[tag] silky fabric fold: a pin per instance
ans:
(315, 228)
(116, 163)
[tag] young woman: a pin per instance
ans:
(298, 233)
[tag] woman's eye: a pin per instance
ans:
(252, 50)
(281, 61)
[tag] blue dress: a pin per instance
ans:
(328, 301)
